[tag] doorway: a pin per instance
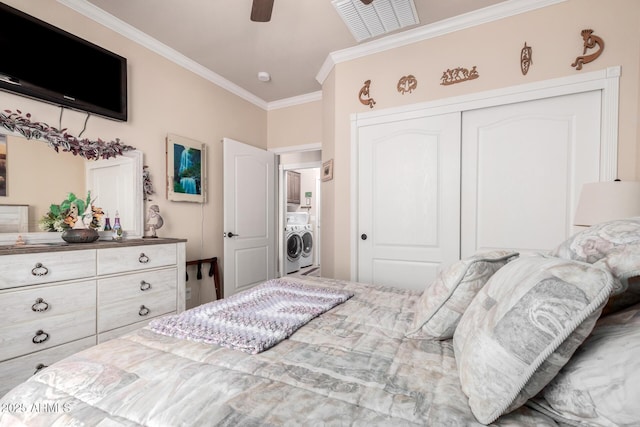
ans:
(299, 207)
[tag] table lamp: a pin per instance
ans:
(606, 201)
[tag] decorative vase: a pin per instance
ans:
(80, 235)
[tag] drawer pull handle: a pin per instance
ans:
(39, 367)
(40, 305)
(143, 258)
(39, 270)
(143, 311)
(40, 337)
(145, 286)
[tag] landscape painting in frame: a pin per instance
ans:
(186, 179)
(3, 165)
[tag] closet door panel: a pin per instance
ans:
(523, 166)
(408, 187)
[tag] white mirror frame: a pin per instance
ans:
(129, 194)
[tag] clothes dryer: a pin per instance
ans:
(306, 257)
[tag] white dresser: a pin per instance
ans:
(56, 300)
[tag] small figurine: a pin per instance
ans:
(72, 217)
(84, 220)
(154, 220)
(117, 228)
(107, 223)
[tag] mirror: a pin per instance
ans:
(116, 184)
(38, 176)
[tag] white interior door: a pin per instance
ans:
(523, 166)
(408, 199)
(249, 216)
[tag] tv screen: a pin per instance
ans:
(44, 62)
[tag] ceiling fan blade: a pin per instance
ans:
(261, 10)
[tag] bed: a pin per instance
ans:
(498, 338)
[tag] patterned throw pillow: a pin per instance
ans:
(522, 327)
(443, 302)
(599, 385)
(615, 243)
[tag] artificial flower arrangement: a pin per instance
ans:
(64, 216)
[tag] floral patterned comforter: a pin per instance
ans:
(351, 366)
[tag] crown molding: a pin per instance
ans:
(295, 100)
(101, 17)
(446, 26)
(316, 146)
(471, 19)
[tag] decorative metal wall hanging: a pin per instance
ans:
(590, 41)
(525, 59)
(407, 84)
(364, 95)
(59, 139)
(458, 75)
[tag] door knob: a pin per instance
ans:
(230, 234)
(363, 236)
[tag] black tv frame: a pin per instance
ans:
(46, 63)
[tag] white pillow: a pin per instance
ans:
(624, 264)
(522, 327)
(615, 244)
(601, 383)
(443, 302)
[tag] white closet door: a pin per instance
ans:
(408, 200)
(523, 166)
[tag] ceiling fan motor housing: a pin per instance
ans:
(261, 10)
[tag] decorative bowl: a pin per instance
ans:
(80, 235)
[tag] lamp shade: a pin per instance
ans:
(606, 201)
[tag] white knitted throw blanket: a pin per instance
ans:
(254, 320)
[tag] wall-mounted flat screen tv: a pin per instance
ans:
(46, 63)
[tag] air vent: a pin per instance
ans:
(379, 17)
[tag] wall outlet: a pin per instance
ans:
(187, 294)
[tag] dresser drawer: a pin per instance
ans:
(15, 371)
(29, 269)
(115, 312)
(137, 285)
(36, 319)
(117, 260)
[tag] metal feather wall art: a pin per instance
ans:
(525, 59)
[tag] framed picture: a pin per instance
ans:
(327, 170)
(186, 171)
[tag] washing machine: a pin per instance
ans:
(293, 240)
(306, 258)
